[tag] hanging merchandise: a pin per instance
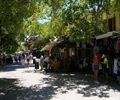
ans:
(70, 52)
(115, 65)
(105, 41)
(118, 46)
(101, 48)
(78, 44)
(84, 62)
(105, 49)
(83, 44)
(95, 50)
(73, 52)
(119, 64)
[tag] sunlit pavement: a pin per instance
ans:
(17, 83)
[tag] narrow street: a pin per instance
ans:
(17, 83)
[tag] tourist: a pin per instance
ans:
(28, 60)
(30, 57)
(105, 67)
(19, 58)
(4, 60)
(41, 62)
(46, 60)
(96, 68)
(23, 59)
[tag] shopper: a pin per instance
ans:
(46, 60)
(96, 68)
(105, 67)
(41, 62)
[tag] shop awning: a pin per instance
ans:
(50, 45)
(109, 34)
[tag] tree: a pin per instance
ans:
(35, 28)
(13, 14)
(85, 18)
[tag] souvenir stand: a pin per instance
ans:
(109, 44)
(84, 56)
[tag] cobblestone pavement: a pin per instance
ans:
(17, 83)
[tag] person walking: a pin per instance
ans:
(30, 57)
(41, 62)
(19, 58)
(95, 68)
(23, 60)
(4, 60)
(15, 58)
(28, 60)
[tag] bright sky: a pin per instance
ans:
(44, 20)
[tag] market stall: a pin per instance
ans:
(109, 44)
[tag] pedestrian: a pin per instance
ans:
(30, 57)
(105, 67)
(96, 68)
(23, 60)
(46, 60)
(28, 60)
(25, 57)
(15, 58)
(19, 58)
(4, 60)
(41, 62)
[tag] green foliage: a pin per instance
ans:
(22, 48)
(86, 18)
(80, 19)
(9, 44)
(22, 19)
(12, 17)
(27, 44)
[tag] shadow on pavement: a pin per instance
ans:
(58, 83)
(83, 83)
(10, 91)
(13, 67)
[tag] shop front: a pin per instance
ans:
(84, 55)
(109, 44)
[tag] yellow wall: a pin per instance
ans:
(117, 21)
(117, 17)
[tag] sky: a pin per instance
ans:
(44, 20)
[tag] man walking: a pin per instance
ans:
(95, 68)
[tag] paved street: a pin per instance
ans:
(17, 83)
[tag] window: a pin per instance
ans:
(111, 24)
